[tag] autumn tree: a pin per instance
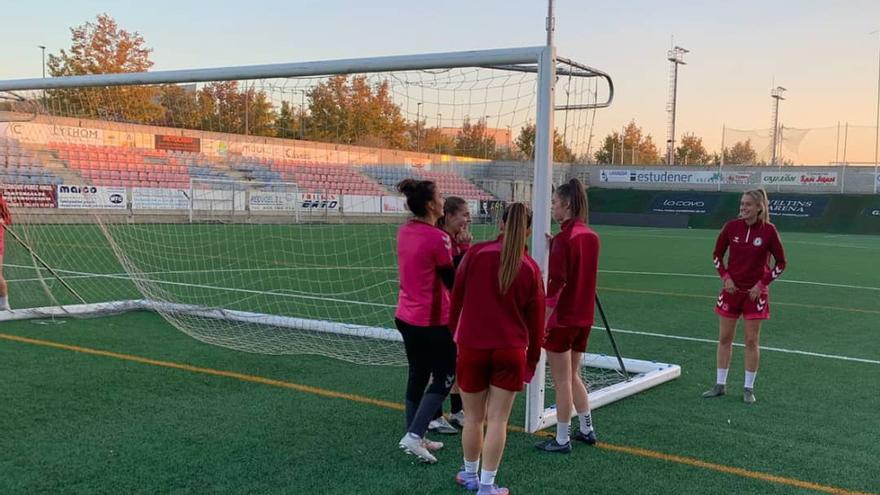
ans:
(473, 140)
(630, 147)
(525, 143)
(691, 151)
(102, 47)
(741, 153)
(349, 110)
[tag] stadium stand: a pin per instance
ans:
(19, 165)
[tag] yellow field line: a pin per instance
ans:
(704, 296)
(634, 451)
(208, 371)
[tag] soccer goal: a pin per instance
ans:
(254, 207)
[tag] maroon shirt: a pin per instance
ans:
(483, 318)
(750, 248)
(571, 285)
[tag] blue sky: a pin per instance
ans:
(819, 49)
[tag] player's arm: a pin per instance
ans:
(778, 253)
(457, 297)
(557, 273)
(721, 245)
(444, 263)
(535, 318)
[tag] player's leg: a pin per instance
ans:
(4, 288)
(418, 357)
(752, 358)
(585, 431)
(472, 437)
(440, 353)
(473, 374)
(726, 333)
(560, 370)
(498, 407)
(456, 411)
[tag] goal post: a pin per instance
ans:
(261, 224)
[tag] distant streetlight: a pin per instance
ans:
(877, 124)
(776, 94)
(418, 126)
(43, 50)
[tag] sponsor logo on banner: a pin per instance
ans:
(873, 212)
(614, 176)
(273, 201)
(683, 203)
(29, 132)
(799, 179)
(91, 197)
(797, 206)
(178, 143)
(661, 176)
(737, 178)
(309, 201)
(158, 198)
(394, 204)
(29, 195)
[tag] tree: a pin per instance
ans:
(350, 111)
(691, 151)
(429, 139)
(180, 107)
(741, 153)
(525, 143)
(631, 148)
(222, 107)
(473, 140)
(101, 47)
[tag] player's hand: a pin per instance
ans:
(755, 291)
(729, 286)
(548, 236)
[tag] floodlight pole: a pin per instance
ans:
(776, 94)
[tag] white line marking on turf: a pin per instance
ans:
(701, 275)
(706, 238)
(385, 268)
(382, 305)
(737, 344)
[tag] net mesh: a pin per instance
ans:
(840, 144)
(256, 215)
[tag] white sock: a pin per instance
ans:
(471, 467)
(562, 432)
(750, 379)
(721, 376)
(586, 420)
(4, 303)
(487, 477)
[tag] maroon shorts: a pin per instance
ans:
(740, 304)
(476, 369)
(563, 339)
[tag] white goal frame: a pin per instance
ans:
(539, 59)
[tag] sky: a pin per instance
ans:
(820, 50)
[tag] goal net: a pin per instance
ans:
(254, 208)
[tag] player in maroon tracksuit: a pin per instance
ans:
(751, 240)
(571, 295)
(5, 219)
(455, 221)
(498, 318)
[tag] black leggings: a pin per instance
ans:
(430, 352)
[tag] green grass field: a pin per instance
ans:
(156, 411)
